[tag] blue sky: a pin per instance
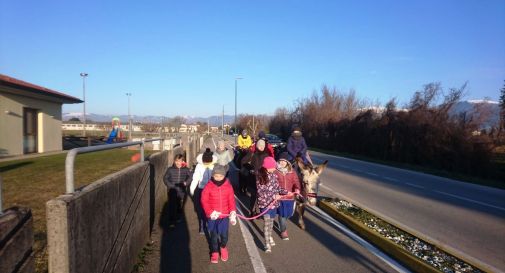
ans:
(181, 58)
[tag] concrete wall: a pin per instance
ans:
(103, 227)
(16, 240)
(158, 164)
(11, 124)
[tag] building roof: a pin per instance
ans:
(36, 89)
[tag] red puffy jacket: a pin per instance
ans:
(288, 181)
(216, 198)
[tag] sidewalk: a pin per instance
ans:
(183, 249)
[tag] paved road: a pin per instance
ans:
(466, 217)
(321, 248)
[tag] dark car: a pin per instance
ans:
(275, 141)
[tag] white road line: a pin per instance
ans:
(390, 179)
(470, 200)
(414, 185)
(256, 261)
(396, 266)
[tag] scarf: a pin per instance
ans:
(217, 183)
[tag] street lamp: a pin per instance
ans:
(129, 118)
(84, 75)
(236, 79)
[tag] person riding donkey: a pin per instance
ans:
(297, 147)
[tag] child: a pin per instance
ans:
(224, 156)
(218, 199)
(176, 179)
(268, 192)
(201, 176)
(288, 180)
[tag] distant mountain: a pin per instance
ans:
(490, 108)
(213, 120)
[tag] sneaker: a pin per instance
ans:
(268, 248)
(284, 235)
(214, 258)
(272, 242)
(224, 254)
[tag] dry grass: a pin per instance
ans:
(32, 182)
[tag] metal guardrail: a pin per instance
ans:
(69, 161)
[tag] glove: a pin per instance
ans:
(214, 215)
(233, 218)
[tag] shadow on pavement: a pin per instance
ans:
(175, 243)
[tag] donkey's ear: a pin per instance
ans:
(320, 168)
(300, 163)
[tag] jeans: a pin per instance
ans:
(218, 232)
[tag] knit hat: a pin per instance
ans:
(262, 134)
(207, 156)
(269, 163)
(284, 156)
(260, 144)
(219, 169)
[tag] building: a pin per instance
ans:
(78, 126)
(30, 117)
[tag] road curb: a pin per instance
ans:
(389, 247)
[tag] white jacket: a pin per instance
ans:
(202, 174)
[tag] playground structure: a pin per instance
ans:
(116, 134)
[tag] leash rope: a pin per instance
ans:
(265, 211)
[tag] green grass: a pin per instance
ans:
(32, 182)
(498, 162)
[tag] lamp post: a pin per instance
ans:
(236, 79)
(84, 75)
(129, 118)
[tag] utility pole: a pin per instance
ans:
(129, 118)
(84, 75)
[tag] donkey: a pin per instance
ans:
(310, 187)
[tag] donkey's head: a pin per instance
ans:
(310, 177)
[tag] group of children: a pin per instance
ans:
(214, 199)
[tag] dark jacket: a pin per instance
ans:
(255, 159)
(174, 177)
(297, 145)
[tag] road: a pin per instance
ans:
(466, 217)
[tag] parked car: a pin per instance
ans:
(275, 141)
